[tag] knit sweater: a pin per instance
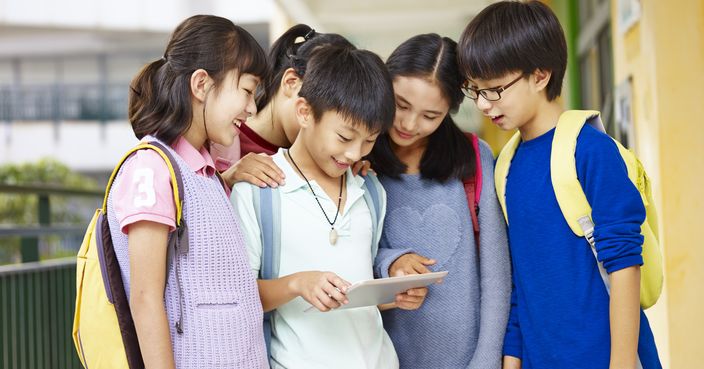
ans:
(462, 321)
(219, 301)
(560, 307)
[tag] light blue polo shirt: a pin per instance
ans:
(352, 338)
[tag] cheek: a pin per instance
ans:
(367, 148)
(431, 126)
(399, 116)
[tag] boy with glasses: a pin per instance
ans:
(514, 56)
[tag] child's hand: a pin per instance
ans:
(411, 299)
(323, 290)
(362, 167)
(410, 264)
(257, 169)
(511, 362)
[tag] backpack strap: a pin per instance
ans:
(267, 206)
(473, 187)
(178, 240)
(568, 191)
(372, 196)
(112, 276)
(174, 173)
(503, 163)
(563, 174)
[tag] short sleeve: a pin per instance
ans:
(243, 202)
(143, 191)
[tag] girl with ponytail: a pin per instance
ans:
(275, 124)
(195, 305)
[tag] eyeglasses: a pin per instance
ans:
(490, 94)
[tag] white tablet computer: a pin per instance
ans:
(384, 290)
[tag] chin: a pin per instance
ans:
(334, 171)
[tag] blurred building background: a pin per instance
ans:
(65, 67)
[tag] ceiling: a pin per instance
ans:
(381, 25)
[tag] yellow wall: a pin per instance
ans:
(664, 55)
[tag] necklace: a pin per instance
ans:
(333, 232)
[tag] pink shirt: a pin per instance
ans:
(224, 156)
(144, 191)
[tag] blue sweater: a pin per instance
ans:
(462, 321)
(559, 305)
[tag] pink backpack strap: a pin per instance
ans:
(473, 187)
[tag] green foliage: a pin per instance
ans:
(21, 209)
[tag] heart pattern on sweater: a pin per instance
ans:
(434, 234)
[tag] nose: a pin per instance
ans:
(407, 122)
(354, 152)
(251, 107)
(483, 104)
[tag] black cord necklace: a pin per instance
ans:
(333, 232)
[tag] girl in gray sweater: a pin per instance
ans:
(422, 162)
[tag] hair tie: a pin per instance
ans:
(298, 65)
(309, 35)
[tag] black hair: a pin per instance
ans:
(449, 153)
(160, 95)
(289, 52)
(351, 82)
(512, 36)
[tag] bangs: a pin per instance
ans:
(354, 83)
(485, 55)
(249, 55)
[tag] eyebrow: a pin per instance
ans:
(356, 131)
(474, 86)
(407, 103)
(253, 78)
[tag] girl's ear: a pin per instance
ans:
(201, 83)
(304, 112)
(290, 83)
(541, 78)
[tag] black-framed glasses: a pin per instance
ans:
(490, 94)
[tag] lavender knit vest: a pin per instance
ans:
(221, 310)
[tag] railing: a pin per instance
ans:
(37, 298)
(57, 102)
(36, 315)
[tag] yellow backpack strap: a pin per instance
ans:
(176, 182)
(568, 191)
(503, 162)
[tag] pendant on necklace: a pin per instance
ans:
(333, 236)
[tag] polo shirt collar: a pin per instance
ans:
(199, 161)
(295, 181)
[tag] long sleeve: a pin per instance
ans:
(386, 256)
(617, 209)
(495, 271)
(513, 341)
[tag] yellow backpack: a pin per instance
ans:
(103, 329)
(573, 203)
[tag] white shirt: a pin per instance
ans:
(352, 338)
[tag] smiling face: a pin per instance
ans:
(229, 107)
(420, 109)
(333, 143)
